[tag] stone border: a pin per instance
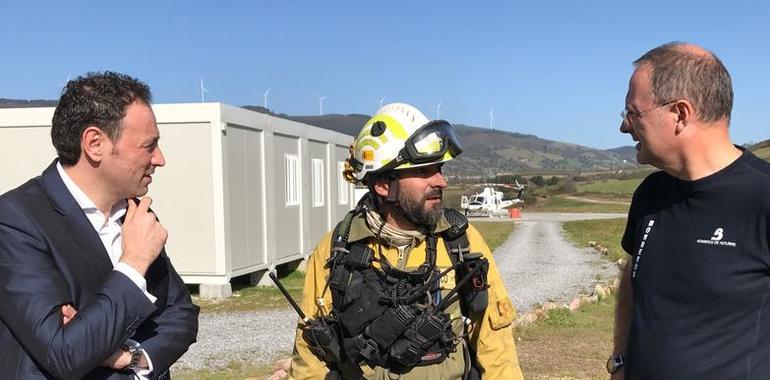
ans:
(600, 292)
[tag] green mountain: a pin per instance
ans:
(488, 151)
(761, 149)
(628, 152)
(21, 103)
(347, 124)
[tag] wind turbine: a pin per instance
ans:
(203, 91)
(266, 92)
(491, 117)
(438, 110)
(321, 104)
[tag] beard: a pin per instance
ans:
(413, 209)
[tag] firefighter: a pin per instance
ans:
(402, 287)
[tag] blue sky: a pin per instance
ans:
(556, 69)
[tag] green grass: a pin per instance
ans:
(558, 203)
(250, 298)
(611, 186)
(568, 345)
(606, 232)
(763, 153)
(494, 233)
(234, 370)
(560, 317)
(606, 197)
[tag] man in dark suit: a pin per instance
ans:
(86, 289)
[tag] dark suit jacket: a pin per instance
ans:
(51, 255)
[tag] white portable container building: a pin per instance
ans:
(241, 192)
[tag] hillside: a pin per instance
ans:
(348, 124)
(494, 151)
(628, 152)
(487, 152)
(21, 103)
(761, 149)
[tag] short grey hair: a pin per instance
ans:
(679, 71)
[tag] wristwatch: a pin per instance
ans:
(135, 349)
(614, 363)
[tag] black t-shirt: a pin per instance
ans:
(701, 275)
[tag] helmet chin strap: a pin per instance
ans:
(392, 197)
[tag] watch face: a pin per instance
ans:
(611, 365)
(131, 345)
(614, 363)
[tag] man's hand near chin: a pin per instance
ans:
(67, 313)
(119, 359)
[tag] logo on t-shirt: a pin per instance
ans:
(716, 239)
(647, 232)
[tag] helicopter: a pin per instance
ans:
(489, 202)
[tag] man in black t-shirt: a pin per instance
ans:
(694, 298)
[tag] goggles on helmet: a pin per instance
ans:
(427, 144)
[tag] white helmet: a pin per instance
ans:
(399, 136)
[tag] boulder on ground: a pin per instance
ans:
(279, 375)
(281, 368)
(550, 305)
(526, 319)
(600, 292)
(283, 364)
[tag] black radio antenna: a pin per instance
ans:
(288, 297)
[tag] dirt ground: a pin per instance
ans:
(573, 347)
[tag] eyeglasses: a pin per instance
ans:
(627, 114)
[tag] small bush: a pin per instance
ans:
(560, 317)
(537, 180)
(567, 186)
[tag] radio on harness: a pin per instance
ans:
(319, 334)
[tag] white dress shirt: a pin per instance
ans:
(109, 230)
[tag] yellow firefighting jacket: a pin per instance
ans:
(491, 338)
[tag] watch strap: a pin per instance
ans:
(135, 349)
(615, 362)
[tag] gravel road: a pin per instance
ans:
(536, 263)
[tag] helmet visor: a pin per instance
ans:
(431, 142)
